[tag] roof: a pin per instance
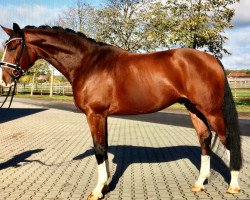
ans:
(238, 74)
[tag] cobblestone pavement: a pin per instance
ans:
(46, 153)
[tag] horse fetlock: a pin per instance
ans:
(205, 175)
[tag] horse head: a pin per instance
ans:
(18, 57)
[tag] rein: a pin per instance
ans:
(17, 71)
(8, 94)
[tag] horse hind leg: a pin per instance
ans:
(204, 135)
(217, 122)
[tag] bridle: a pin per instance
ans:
(17, 71)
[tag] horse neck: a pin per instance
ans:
(66, 52)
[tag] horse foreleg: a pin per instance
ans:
(204, 135)
(98, 127)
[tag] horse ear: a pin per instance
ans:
(17, 29)
(7, 30)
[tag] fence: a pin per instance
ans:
(41, 89)
(240, 88)
(239, 82)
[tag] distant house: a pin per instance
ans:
(239, 80)
(238, 75)
(43, 78)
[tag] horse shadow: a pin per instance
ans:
(20, 158)
(174, 119)
(126, 155)
(15, 113)
(177, 119)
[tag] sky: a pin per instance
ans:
(39, 12)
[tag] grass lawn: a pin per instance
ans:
(240, 93)
(242, 104)
(47, 97)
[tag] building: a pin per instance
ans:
(238, 75)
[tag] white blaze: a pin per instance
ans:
(1, 71)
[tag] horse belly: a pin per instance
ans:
(141, 99)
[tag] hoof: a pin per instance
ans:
(98, 196)
(198, 188)
(93, 197)
(231, 190)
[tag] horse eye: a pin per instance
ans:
(12, 48)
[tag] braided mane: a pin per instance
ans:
(68, 30)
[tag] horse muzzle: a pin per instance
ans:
(16, 71)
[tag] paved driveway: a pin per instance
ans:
(46, 153)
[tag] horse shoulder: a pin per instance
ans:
(93, 91)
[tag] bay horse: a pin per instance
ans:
(108, 80)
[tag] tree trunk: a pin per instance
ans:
(32, 86)
(51, 82)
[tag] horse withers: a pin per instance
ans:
(108, 80)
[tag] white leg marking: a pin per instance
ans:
(103, 176)
(234, 180)
(234, 185)
(1, 74)
(204, 171)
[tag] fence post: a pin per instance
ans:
(51, 81)
(32, 86)
(235, 95)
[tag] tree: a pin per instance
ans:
(39, 68)
(121, 23)
(1, 54)
(78, 18)
(24, 80)
(200, 23)
(137, 25)
(158, 25)
(60, 79)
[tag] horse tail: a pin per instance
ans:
(232, 125)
